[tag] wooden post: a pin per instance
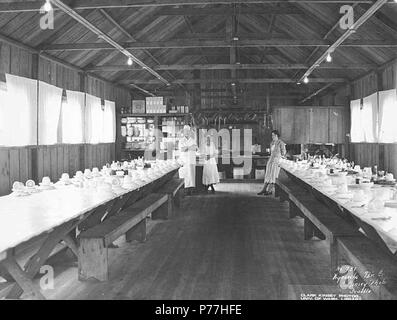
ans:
(137, 233)
(308, 229)
(93, 260)
(334, 255)
(292, 210)
(164, 211)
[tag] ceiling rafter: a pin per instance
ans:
(27, 48)
(253, 66)
(105, 37)
(183, 44)
(131, 38)
(367, 15)
(28, 6)
(239, 80)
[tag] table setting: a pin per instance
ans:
(357, 190)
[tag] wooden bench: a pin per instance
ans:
(369, 261)
(284, 188)
(174, 190)
(321, 222)
(131, 222)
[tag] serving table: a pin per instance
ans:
(378, 225)
(54, 216)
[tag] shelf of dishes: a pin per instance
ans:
(153, 105)
(114, 178)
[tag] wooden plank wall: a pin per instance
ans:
(366, 154)
(311, 124)
(35, 162)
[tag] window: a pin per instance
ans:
(364, 119)
(356, 133)
(73, 117)
(369, 118)
(18, 112)
(388, 116)
(93, 119)
(109, 122)
(50, 99)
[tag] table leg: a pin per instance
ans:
(32, 267)
(23, 280)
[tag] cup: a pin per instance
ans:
(87, 172)
(65, 177)
(95, 170)
(79, 174)
(46, 181)
(17, 186)
(30, 184)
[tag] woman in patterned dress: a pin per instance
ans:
(278, 151)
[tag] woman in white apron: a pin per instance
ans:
(278, 151)
(210, 170)
(188, 148)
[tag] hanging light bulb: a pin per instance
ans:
(47, 6)
(306, 80)
(130, 62)
(329, 57)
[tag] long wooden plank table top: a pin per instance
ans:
(387, 229)
(24, 218)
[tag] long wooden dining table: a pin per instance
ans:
(52, 217)
(379, 225)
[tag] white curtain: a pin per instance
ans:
(50, 99)
(369, 118)
(356, 132)
(73, 117)
(93, 120)
(18, 112)
(109, 122)
(388, 116)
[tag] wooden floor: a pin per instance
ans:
(232, 245)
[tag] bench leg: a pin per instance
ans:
(178, 198)
(308, 229)
(293, 210)
(319, 234)
(137, 233)
(334, 256)
(5, 275)
(164, 211)
(93, 260)
(283, 196)
(276, 191)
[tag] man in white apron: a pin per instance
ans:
(188, 148)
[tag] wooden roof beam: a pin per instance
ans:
(245, 80)
(184, 44)
(339, 42)
(45, 56)
(69, 11)
(316, 92)
(131, 38)
(227, 11)
(34, 6)
(276, 66)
